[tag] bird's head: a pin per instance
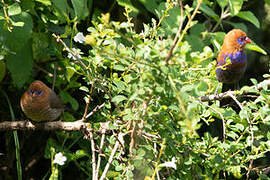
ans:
(236, 39)
(37, 89)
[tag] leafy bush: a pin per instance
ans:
(151, 96)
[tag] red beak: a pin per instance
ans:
(247, 40)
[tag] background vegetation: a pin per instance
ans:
(122, 59)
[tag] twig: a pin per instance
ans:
(132, 139)
(43, 70)
(223, 15)
(7, 17)
(106, 124)
(190, 20)
(158, 159)
(58, 39)
(237, 102)
(222, 119)
(54, 75)
(249, 168)
(87, 105)
(93, 156)
(177, 34)
(86, 109)
(95, 110)
(117, 143)
(228, 94)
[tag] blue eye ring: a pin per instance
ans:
(36, 92)
(241, 40)
(40, 92)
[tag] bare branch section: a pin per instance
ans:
(47, 126)
(228, 94)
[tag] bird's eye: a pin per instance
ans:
(241, 40)
(40, 92)
(36, 92)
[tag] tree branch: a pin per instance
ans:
(48, 126)
(228, 94)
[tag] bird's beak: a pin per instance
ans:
(34, 95)
(247, 40)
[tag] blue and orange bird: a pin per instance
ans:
(40, 103)
(232, 60)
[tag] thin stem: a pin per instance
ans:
(100, 152)
(176, 38)
(190, 21)
(158, 160)
(117, 143)
(16, 140)
(93, 156)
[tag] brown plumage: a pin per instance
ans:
(40, 103)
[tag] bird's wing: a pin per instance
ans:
(55, 101)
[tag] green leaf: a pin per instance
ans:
(222, 3)
(255, 47)
(266, 75)
(195, 42)
(67, 98)
(119, 67)
(19, 24)
(45, 2)
(249, 16)
(235, 6)
(127, 3)
(19, 59)
(61, 5)
(204, 8)
(241, 26)
(20, 64)
(244, 114)
(150, 5)
(172, 20)
(268, 135)
(84, 88)
(2, 70)
(119, 98)
(80, 153)
(120, 85)
(20, 34)
(240, 127)
(267, 2)
(40, 45)
(81, 8)
(197, 29)
(14, 9)
(254, 81)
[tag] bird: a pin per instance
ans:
(232, 60)
(40, 103)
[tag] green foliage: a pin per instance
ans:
(150, 97)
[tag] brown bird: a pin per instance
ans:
(41, 103)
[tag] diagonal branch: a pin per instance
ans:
(176, 38)
(117, 144)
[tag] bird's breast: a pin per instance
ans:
(39, 110)
(231, 66)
